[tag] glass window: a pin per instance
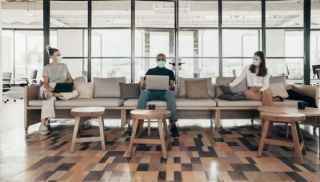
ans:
(285, 13)
(77, 67)
(198, 13)
(241, 13)
(111, 43)
(150, 43)
(234, 67)
(199, 68)
(28, 55)
(290, 67)
(68, 14)
(107, 13)
(284, 43)
(72, 43)
(7, 49)
(198, 43)
(111, 68)
(27, 14)
(155, 14)
(315, 48)
(240, 43)
(315, 14)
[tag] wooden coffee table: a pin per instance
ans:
(139, 116)
(88, 112)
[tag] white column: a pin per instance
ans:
(0, 55)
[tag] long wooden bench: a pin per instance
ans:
(213, 113)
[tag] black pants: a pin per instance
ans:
(293, 95)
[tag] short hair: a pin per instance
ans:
(51, 50)
(161, 55)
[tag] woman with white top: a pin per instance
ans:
(257, 78)
(53, 73)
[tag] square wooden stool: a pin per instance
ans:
(139, 116)
(87, 112)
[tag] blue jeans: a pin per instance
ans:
(168, 96)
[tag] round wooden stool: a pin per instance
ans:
(88, 112)
(293, 119)
(139, 116)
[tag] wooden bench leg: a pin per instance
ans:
(296, 143)
(103, 143)
(264, 134)
(162, 138)
(217, 119)
(133, 135)
(167, 138)
(75, 133)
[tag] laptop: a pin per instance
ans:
(157, 82)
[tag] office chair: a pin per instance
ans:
(316, 71)
(6, 86)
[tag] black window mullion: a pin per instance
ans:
(89, 38)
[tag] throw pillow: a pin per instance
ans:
(182, 90)
(197, 89)
(278, 90)
(107, 87)
(129, 90)
(85, 91)
(278, 87)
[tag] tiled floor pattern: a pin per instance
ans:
(197, 155)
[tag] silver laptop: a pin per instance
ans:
(157, 82)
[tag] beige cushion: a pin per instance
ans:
(134, 103)
(78, 81)
(85, 90)
(180, 103)
(196, 103)
(278, 90)
(242, 103)
(290, 103)
(197, 89)
(101, 102)
(107, 87)
(181, 91)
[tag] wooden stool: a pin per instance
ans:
(139, 116)
(293, 119)
(88, 112)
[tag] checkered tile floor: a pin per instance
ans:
(197, 155)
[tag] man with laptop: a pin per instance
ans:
(159, 84)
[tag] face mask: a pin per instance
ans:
(161, 64)
(59, 58)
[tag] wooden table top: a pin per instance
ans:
(144, 113)
(88, 111)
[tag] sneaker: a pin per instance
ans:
(174, 131)
(43, 129)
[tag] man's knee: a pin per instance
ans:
(145, 94)
(169, 96)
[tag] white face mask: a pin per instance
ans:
(59, 58)
(161, 64)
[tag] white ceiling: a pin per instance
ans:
(157, 14)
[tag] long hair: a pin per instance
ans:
(262, 67)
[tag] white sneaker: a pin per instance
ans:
(43, 129)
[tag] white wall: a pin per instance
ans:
(0, 58)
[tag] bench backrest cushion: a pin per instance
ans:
(107, 87)
(182, 92)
